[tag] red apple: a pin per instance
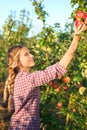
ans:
(57, 89)
(80, 18)
(54, 85)
(59, 104)
(66, 79)
(74, 110)
(65, 88)
(80, 15)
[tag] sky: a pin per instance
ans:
(59, 12)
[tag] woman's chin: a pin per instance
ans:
(33, 64)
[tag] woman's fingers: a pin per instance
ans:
(83, 28)
(80, 29)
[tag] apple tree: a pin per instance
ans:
(64, 102)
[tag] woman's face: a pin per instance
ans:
(26, 59)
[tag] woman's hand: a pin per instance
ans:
(80, 29)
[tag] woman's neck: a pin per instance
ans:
(25, 69)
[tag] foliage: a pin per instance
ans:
(13, 32)
(39, 9)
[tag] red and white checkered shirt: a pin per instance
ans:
(27, 96)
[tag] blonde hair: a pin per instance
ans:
(13, 60)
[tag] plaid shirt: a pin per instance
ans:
(27, 96)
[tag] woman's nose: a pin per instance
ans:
(31, 56)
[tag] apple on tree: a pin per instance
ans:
(74, 110)
(57, 89)
(81, 18)
(54, 85)
(59, 104)
(80, 15)
(66, 79)
(65, 88)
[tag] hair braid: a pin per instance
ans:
(9, 88)
(13, 59)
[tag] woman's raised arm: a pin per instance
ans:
(65, 60)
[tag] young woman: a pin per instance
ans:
(23, 87)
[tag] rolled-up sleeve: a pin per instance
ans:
(45, 76)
